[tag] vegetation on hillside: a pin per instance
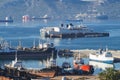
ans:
(110, 74)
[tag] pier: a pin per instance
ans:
(85, 53)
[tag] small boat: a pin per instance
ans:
(66, 68)
(66, 65)
(70, 31)
(102, 56)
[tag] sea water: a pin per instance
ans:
(27, 32)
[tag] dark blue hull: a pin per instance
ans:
(6, 20)
(29, 54)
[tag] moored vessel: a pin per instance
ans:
(50, 70)
(80, 67)
(70, 31)
(43, 50)
(102, 56)
(7, 19)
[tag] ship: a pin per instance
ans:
(43, 50)
(102, 56)
(81, 68)
(70, 31)
(46, 72)
(51, 69)
(17, 69)
(7, 19)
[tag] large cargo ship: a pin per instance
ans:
(41, 51)
(70, 31)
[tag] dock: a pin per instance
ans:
(76, 77)
(85, 53)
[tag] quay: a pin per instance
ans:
(69, 77)
(85, 53)
(76, 77)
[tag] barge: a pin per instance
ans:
(70, 31)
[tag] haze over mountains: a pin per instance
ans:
(60, 9)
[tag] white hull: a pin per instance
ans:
(103, 56)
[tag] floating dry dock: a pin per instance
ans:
(70, 31)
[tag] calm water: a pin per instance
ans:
(29, 31)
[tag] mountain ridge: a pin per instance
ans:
(59, 9)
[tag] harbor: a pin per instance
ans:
(64, 53)
(59, 40)
(54, 72)
(55, 58)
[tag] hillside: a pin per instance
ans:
(56, 8)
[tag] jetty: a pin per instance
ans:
(85, 53)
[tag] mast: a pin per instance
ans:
(106, 48)
(34, 43)
(19, 44)
(16, 56)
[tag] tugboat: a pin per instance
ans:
(70, 31)
(81, 68)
